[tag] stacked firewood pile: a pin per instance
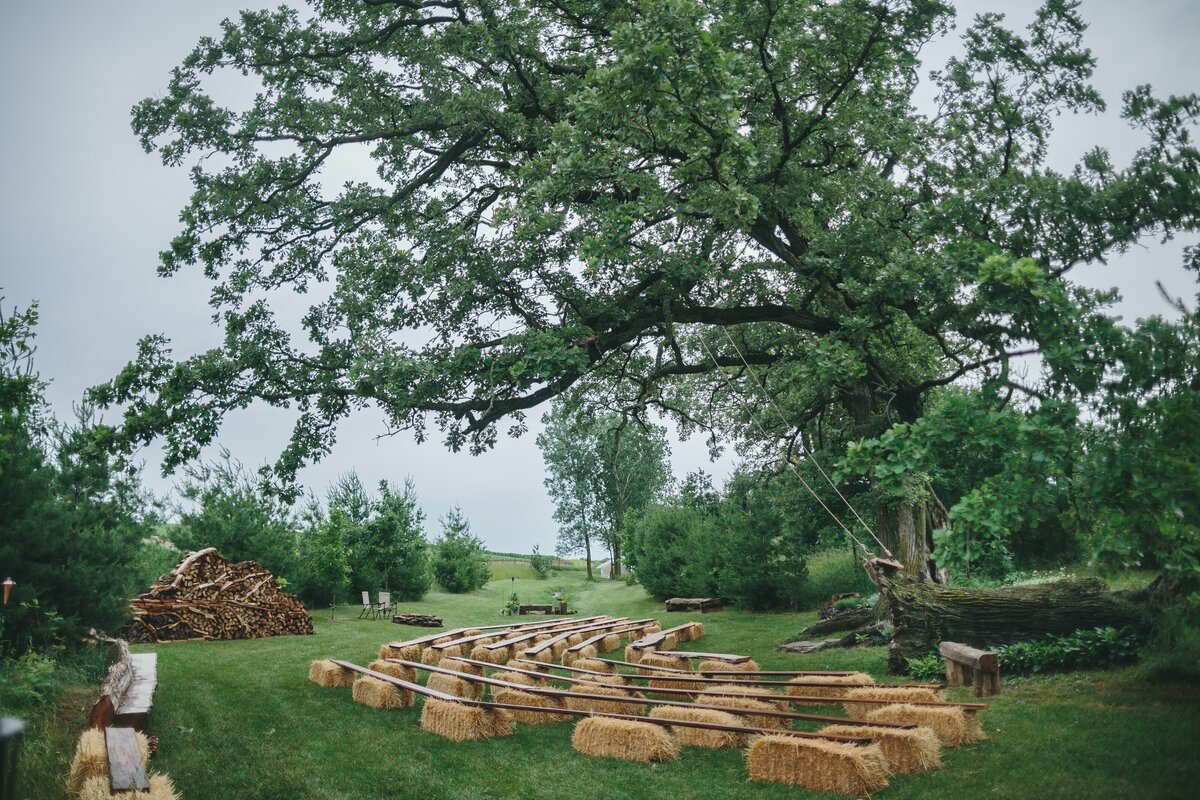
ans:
(207, 597)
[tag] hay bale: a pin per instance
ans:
(632, 654)
(590, 651)
(694, 631)
(654, 658)
(604, 706)
(481, 653)
(558, 648)
(595, 665)
(430, 656)
(459, 666)
(395, 670)
(723, 666)
(818, 765)
(519, 698)
(801, 685)
(515, 677)
(698, 737)
(908, 751)
(439, 682)
(536, 666)
(952, 725)
(574, 639)
(744, 706)
(886, 695)
(453, 651)
(409, 652)
(545, 637)
(544, 656)
(669, 642)
(462, 723)
(498, 655)
(91, 758)
(653, 627)
(610, 643)
(470, 632)
(161, 788)
(324, 672)
(380, 694)
(618, 738)
(740, 690)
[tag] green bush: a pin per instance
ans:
(1085, 649)
(539, 563)
(927, 669)
(833, 571)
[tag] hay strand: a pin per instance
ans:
(461, 723)
(818, 765)
(952, 725)
(699, 737)
(375, 693)
(908, 751)
(603, 737)
(324, 672)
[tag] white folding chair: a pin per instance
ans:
(385, 604)
(367, 608)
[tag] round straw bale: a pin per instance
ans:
(461, 723)
(380, 694)
(656, 659)
(744, 706)
(886, 695)
(515, 677)
(440, 682)
(908, 751)
(632, 654)
(699, 737)
(818, 765)
(724, 666)
(97, 788)
(952, 725)
(518, 698)
(618, 738)
(395, 670)
(460, 666)
(801, 685)
(609, 643)
(324, 672)
(409, 652)
(604, 706)
(594, 664)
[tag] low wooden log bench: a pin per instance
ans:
(728, 658)
(123, 706)
(417, 620)
(701, 604)
(535, 608)
(967, 665)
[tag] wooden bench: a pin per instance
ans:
(535, 608)
(728, 658)
(965, 664)
(701, 604)
(123, 706)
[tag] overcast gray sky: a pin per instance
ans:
(84, 212)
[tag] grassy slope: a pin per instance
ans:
(240, 719)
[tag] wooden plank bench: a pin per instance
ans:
(535, 608)
(701, 604)
(966, 664)
(128, 690)
(728, 658)
(653, 640)
(126, 770)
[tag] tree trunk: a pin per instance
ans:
(587, 550)
(925, 614)
(616, 556)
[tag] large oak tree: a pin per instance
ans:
(645, 202)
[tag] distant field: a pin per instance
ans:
(240, 720)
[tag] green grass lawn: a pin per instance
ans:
(240, 720)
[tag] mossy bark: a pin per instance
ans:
(925, 614)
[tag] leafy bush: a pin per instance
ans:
(927, 669)
(459, 561)
(833, 571)
(1086, 649)
(675, 551)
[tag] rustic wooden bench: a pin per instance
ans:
(124, 703)
(728, 658)
(535, 608)
(701, 604)
(965, 664)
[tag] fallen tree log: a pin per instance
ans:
(924, 614)
(842, 621)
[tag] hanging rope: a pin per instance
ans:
(866, 551)
(808, 453)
